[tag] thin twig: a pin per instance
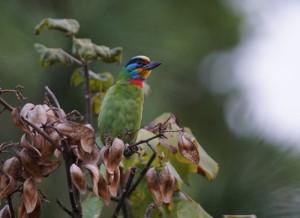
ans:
(64, 208)
(51, 94)
(74, 195)
(149, 210)
(88, 110)
(5, 104)
(142, 175)
(125, 192)
(10, 205)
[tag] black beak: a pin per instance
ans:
(151, 65)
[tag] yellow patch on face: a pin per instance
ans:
(144, 73)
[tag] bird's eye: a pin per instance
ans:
(140, 63)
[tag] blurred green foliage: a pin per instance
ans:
(179, 34)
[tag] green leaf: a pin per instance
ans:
(77, 77)
(97, 100)
(68, 26)
(92, 207)
(49, 56)
(188, 208)
(86, 50)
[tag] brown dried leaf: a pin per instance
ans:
(113, 186)
(78, 178)
(5, 212)
(49, 167)
(30, 195)
(109, 178)
(188, 149)
(115, 155)
(153, 184)
(7, 185)
(12, 167)
(30, 146)
(30, 165)
(95, 174)
(103, 189)
(78, 132)
(38, 115)
(166, 184)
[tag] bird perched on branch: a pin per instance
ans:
(121, 109)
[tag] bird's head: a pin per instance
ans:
(138, 69)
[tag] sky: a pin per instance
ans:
(262, 74)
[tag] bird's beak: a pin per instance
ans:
(151, 65)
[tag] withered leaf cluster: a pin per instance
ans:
(44, 128)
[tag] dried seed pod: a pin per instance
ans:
(153, 184)
(114, 184)
(30, 165)
(30, 195)
(26, 108)
(38, 115)
(78, 178)
(5, 212)
(115, 155)
(29, 146)
(103, 189)
(49, 167)
(95, 174)
(188, 149)
(78, 132)
(12, 167)
(166, 184)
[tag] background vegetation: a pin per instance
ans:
(254, 177)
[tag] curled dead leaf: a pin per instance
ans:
(12, 167)
(88, 158)
(22, 210)
(153, 184)
(5, 212)
(7, 185)
(114, 184)
(166, 184)
(29, 146)
(103, 189)
(30, 195)
(26, 108)
(188, 149)
(78, 178)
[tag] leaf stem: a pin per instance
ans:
(10, 205)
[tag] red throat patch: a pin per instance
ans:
(137, 82)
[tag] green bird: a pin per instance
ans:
(122, 107)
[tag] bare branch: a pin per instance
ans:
(64, 208)
(125, 192)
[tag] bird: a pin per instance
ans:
(121, 109)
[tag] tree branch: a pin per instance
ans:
(125, 192)
(69, 159)
(10, 205)
(88, 110)
(64, 208)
